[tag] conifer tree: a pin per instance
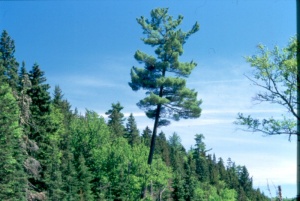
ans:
(84, 179)
(62, 104)
(67, 168)
(162, 148)
(132, 132)
(42, 129)
(163, 77)
(11, 66)
(146, 136)
(116, 120)
(177, 153)
(200, 158)
(13, 183)
(39, 93)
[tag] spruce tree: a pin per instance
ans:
(163, 77)
(132, 132)
(202, 168)
(11, 66)
(177, 153)
(162, 148)
(39, 94)
(62, 104)
(44, 130)
(146, 136)
(84, 179)
(13, 183)
(116, 120)
(68, 171)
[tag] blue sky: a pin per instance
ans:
(87, 48)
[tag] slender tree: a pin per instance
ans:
(132, 132)
(163, 77)
(11, 66)
(116, 120)
(146, 136)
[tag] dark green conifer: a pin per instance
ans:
(146, 136)
(13, 181)
(132, 132)
(11, 66)
(177, 153)
(84, 179)
(116, 120)
(162, 148)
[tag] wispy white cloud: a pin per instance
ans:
(90, 81)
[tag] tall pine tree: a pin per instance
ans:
(163, 77)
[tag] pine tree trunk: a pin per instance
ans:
(153, 139)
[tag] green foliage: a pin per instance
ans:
(116, 120)
(12, 175)
(274, 71)
(7, 49)
(132, 132)
(84, 179)
(146, 136)
(51, 153)
(170, 93)
(162, 148)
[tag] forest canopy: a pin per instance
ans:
(50, 152)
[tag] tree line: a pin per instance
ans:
(50, 152)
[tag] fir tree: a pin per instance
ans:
(146, 136)
(84, 179)
(177, 153)
(162, 148)
(116, 120)
(13, 183)
(132, 133)
(11, 66)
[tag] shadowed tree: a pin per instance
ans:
(116, 120)
(11, 66)
(167, 96)
(132, 132)
(146, 136)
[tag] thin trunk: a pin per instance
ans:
(153, 139)
(152, 147)
(156, 121)
(298, 100)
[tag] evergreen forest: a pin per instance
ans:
(51, 151)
